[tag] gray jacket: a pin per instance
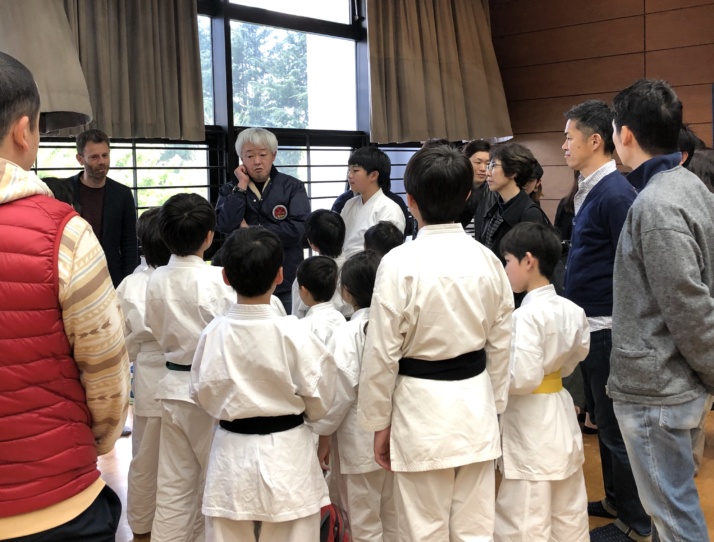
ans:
(663, 312)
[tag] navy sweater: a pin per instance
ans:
(596, 231)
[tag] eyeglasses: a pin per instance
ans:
(492, 165)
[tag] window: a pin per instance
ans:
(322, 169)
(154, 171)
(290, 79)
(204, 41)
(337, 11)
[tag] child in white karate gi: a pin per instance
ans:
(369, 172)
(317, 279)
(367, 487)
(542, 495)
(181, 299)
(325, 233)
(383, 237)
(261, 375)
(149, 367)
(435, 367)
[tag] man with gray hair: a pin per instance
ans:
(264, 196)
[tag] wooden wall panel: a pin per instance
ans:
(522, 16)
(697, 101)
(579, 77)
(546, 114)
(704, 131)
(680, 28)
(557, 181)
(547, 148)
(605, 38)
(549, 206)
(652, 6)
(557, 53)
(685, 66)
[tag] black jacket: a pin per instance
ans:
(118, 228)
(520, 209)
(282, 209)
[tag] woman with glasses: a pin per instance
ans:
(510, 167)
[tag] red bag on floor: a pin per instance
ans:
(332, 525)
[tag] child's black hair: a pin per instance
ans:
(383, 237)
(252, 258)
(372, 159)
(153, 247)
(184, 221)
(358, 275)
(318, 274)
(542, 241)
(439, 179)
(63, 191)
(326, 230)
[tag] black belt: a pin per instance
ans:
(176, 367)
(262, 425)
(459, 368)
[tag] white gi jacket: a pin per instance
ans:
(249, 363)
(323, 318)
(540, 433)
(146, 354)
(436, 298)
(360, 217)
(300, 309)
(182, 297)
(356, 446)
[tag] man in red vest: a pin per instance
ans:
(64, 367)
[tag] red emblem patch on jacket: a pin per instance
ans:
(280, 212)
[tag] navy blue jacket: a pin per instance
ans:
(596, 231)
(119, 240)
(282, 209)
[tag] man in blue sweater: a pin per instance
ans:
(601, 203)
(663, 313)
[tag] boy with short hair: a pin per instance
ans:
(663, 312)
(260, 374)
(369, 170)
(181, 299)
(431, 400)
(543, 488)
(325, 233)
(317, 280)
(383, 237)
(149, 368)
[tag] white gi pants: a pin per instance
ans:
(547, 511)
(305, 529)
(455, 504)
(370, 506)
(141, 489)
(185, 443)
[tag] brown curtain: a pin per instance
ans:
(433, 72)
(51, 57)
(142, 64)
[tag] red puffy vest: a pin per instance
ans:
(47, 450)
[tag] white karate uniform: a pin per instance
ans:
(322, 319)
(300, 309)
(359, 217)
(181, 299)
(149, 367)
(542, 496)
(436, 298)
(368, 488)
(251, 363)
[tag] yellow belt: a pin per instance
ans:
(552, 383)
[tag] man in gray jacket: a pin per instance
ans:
(662, 362)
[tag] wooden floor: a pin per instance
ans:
(115, 465)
